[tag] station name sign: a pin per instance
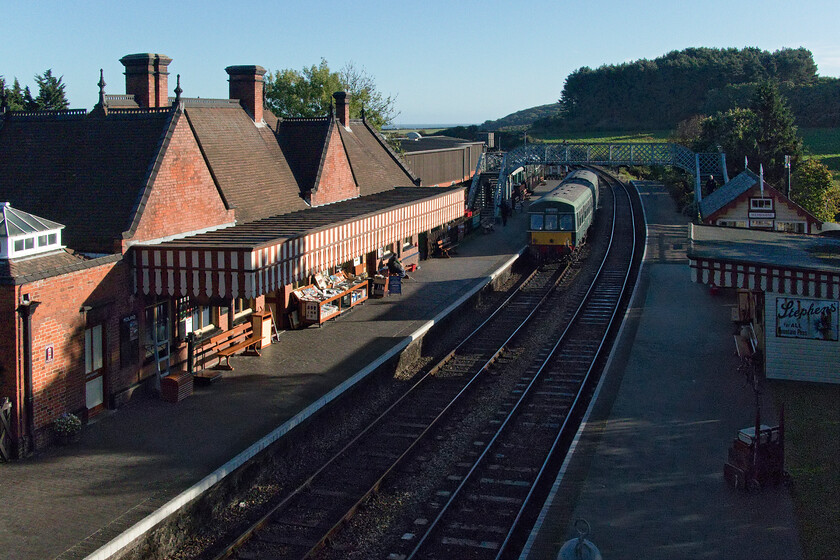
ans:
(807, 318)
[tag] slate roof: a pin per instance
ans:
(728, 192)
(375, 167)
(304, 142)
(17, 222)
(245, 161)
(259, 233)
(428, 143)
(791, 250)
(88, 173)
(30, 269)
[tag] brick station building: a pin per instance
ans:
(162, 216)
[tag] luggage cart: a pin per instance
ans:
(757, 457)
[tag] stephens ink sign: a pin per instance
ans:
(806, 318)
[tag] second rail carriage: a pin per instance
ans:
(560, 220)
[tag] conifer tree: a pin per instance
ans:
(51, 95)
(775, 133)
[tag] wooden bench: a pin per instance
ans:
(446, 247)
(224, 345)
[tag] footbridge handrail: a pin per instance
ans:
(599, 153)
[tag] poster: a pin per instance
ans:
(813, 319)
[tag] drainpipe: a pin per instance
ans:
(26, 309)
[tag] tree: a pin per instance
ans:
(308, 93)
(764, 132)
(813, 189)
(688, 131)
(775, 132)
(379, 108)
(17, 98)
(734, 132)
(51, 95)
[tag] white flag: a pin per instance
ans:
(746, 163)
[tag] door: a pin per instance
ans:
(94, 369)
(157, 336)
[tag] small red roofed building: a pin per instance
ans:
(743, 203)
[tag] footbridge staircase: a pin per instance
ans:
(502, 164)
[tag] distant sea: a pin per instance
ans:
(422, 126)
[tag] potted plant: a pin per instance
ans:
(67, 428)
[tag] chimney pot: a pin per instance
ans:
(246, 85)
(146, 78)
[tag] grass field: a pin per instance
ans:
(610, 136)
(812, 436)
(823, 144)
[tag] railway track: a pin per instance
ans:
(489, 497)
(301, 524)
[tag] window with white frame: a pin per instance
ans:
(194, 318)
(761, 204)
(242, 307)
(732, 223)
(791, 227)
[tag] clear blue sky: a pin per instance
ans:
(447, 62)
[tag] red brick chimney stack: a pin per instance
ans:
(342, 108)
(146, 78)
(246, 85)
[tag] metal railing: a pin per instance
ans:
(597, 153)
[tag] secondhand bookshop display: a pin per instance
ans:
(329, 297)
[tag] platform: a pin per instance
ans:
(137, 464)
(647, 471)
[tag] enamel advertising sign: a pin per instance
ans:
(807, 318)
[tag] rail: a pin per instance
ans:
(440, 397)
(608, 289)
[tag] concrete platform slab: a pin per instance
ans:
(136, 465)
(647, 472)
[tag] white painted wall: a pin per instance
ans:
(798, 359)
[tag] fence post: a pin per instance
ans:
(698, 194)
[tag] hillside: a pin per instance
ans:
(522, 119)
(659, 93)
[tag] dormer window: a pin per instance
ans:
(26, 235)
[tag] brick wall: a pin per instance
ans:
(58, 323)
(337, 181)
(184, 197)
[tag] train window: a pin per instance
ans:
(536, 222)
(551, 222)
(566, 222)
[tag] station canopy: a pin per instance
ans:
(256, 258)
(783, 263)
